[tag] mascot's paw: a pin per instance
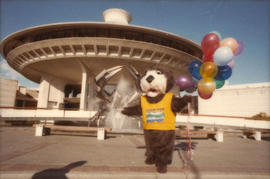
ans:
(162, 168)
(150, 161)
(125, 111)
(188, 98)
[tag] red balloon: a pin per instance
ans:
(205, 96)
(209, 45)
(208, 59)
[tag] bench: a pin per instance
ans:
(217, 135)
(257, 134)
(45, 129)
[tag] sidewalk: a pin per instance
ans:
(22, 155)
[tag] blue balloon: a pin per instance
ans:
(224, 72)
(194, 69)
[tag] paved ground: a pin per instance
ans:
(22, 155)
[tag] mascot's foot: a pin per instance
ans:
(162, 168)
(150, 161)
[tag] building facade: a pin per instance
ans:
(26, 98)
(14, 96)
(238, 100)
(8, 90)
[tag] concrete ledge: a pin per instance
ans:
(224, 121)
(130, 175)
(45, 113)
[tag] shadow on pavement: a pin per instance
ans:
(188, 164)
(57, 173)
(184, 146)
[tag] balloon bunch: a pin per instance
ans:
(216, 67)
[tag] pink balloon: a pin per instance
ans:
(240, 48)
(231, 64)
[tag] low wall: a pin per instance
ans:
(55, 113)
(214, 121)
(225, 121)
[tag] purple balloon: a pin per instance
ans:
(231, 64)
(184, 82)
(240, 48)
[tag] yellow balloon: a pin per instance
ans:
(208, 70)
(229, 42)
(207, 86)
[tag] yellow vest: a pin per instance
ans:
(158, 116)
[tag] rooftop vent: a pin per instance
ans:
(116, 16)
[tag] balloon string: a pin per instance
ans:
(189, 142)
(188, 154)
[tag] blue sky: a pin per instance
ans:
(245, 20)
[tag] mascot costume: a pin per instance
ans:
(158, 109)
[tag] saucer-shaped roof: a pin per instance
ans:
(55, 49)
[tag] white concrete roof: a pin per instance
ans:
(244, 86)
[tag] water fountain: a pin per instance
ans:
(112, 99)
(125, 94)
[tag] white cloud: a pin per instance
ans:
(8, 72)
(31, 85)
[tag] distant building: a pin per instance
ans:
(8, 88)
(238, 100)
(12, 95)
(26, 97)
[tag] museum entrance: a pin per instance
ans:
(72, 96)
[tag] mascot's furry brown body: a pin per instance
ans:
(158, 109)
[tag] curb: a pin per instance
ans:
(128, 175)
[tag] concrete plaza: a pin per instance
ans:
(22, 155)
